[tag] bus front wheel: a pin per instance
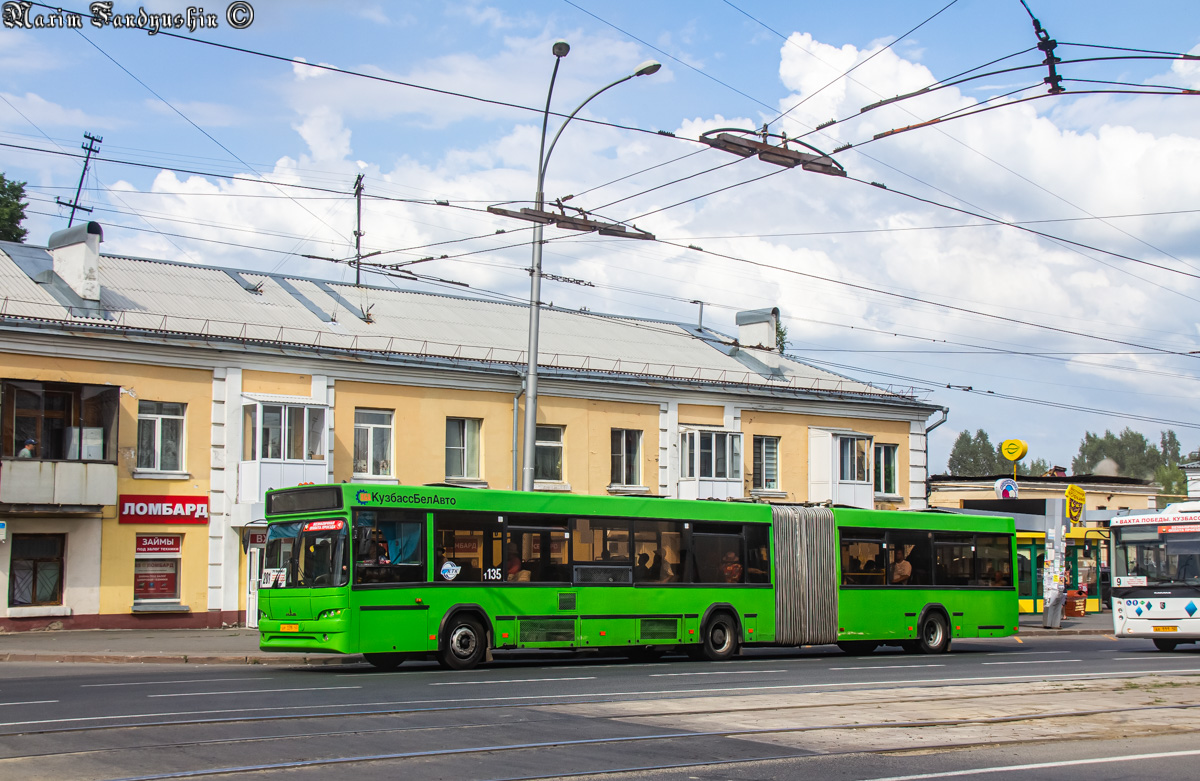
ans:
(384, 661)
(463, 644)
(934, 637)
(1165, 645)
(720, 638)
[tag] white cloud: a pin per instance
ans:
(327, 138)
(46, 114)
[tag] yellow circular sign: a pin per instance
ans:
(1014, 449)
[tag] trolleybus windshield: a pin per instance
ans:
(1161, 553)
(309, 554)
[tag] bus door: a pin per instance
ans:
(390, 603)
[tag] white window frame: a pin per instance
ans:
(691, 446)
(886, 453)
(847, 443)
(468, 428)
(307, 411)
(762, 481)
(559, 445)
(620, 460)
(370, 428)
(157, 418)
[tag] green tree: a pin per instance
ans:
(12, 210)
(780, 336)
(1135, 455)
(1036, 468)
(974, 456)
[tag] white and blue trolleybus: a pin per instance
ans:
(1156, 575)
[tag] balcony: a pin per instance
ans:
(36, 485)
(255, 478)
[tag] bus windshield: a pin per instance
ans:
(1159, 557)
(312, 554)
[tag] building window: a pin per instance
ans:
(720, 455)
(462, 447)
(854, 467)
(372, 443)
(687, 451)
(766, 463)
(156, 567)
(59, 421)
(160, 436)
(885, 469)
(626, 457)
(548, 454)
(36, 574)
(276, 432)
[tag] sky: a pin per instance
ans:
(226, 147)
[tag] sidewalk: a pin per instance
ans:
(240, 645)
(164, 646)
(1031, 625)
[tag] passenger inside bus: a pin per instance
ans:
(901, 569)
(731, 568)
(516, 572)
(641, 570)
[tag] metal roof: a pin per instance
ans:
(148, 296)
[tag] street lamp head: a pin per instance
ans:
(648, 67)
(561, 48)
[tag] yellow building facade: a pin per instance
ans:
(163, 409)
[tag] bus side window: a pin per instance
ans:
(911, 560)
(862, 555)
(389, 546)
(468, 548)
(661, 543)
(758, 557)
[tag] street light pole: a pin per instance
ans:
(560, 50)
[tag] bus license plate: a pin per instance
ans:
(296, 627)
(1166, 629)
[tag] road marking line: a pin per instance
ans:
(253, 691)
(163, 683)
(886, 666)
(442, 701)
(729, 672)
(31, 702)
(1039, 661)
(1040, 766)
(1024, 653)
(515, 680)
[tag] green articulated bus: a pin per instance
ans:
(394, 572)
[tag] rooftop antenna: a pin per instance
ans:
(74, 205)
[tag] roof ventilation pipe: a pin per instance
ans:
(76, 254)
(758, 328)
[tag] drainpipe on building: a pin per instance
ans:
(515, 465)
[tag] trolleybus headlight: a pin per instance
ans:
(331, 613)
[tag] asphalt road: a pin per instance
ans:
(552, 716)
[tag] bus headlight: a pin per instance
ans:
(331, 613)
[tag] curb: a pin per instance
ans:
(281, 660)
(1041, 632)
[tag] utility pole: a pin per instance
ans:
(358, 232)
(74, 205)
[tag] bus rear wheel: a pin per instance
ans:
(858, 647)
(1165, 645)
(934, 635)
(384, 661)
(463, 644)
(720, 638)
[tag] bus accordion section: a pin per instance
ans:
(455, 574)
(1155, 560)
